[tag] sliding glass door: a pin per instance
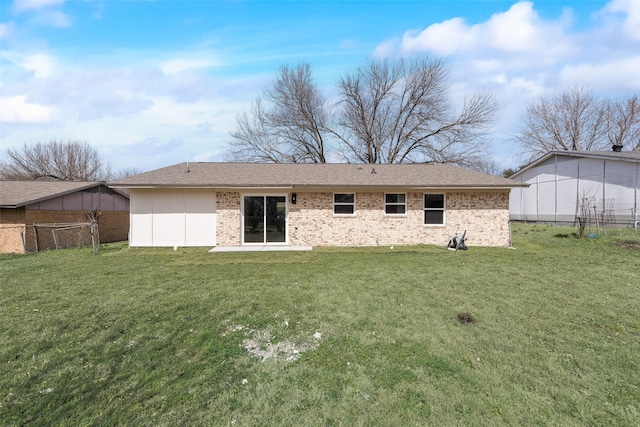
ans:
(265, 219)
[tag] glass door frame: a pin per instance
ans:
(264, 196)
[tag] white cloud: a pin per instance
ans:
(5, 30)
(631, 11)
(604, 76)
(519, 30)
(519, 52)
(444, 38)
(385, 49)
(179, 65)
(520, 56)
(25, 5)
(46, 12)
(41, 64)
(54, 18)
(16, 109)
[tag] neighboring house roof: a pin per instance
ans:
(629, 156)
(314, 175)
(15, 194)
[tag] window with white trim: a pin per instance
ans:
(434, 209)
(395, 204)
(344, 204)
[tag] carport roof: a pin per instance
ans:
(15, 194)
(325, 175)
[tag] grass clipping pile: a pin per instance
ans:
(263, 344)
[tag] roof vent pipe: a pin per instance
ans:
(188, 170)
(617, 148)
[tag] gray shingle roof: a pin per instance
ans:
(15, 194)
(272, 175)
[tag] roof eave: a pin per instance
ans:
(316, 187)
(196, 186)
(51, 196)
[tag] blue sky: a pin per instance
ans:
(152, 83)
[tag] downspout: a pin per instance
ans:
(577, 211)
(635, 193)
(604, 186)
(604, 195)
(521, 190)
(555, 190)
(537, 197)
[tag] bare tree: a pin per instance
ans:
(388, 113)
(623, 122)
(401, 112)
(578, 120)
(487, 166)
(571, 121)
(124, 173)
(54, 161)
(288, 127)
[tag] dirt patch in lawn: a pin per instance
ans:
(628, 244)
(263, 344)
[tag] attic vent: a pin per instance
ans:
(616, 148)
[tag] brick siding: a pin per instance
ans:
(228, 219)
(311, 222)
(484, 214)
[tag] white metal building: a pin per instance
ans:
(568, 184)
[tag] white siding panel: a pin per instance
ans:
(591, 178)
(200, 225)
(547, 198)
(567, 194)
(530, 198)
(620, 187)
(515, 205)
(567, 188)
(567, 167)
(547, 171)
(141, 208)
(168, 217)
(173, 217)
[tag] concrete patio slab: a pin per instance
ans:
(260, 248)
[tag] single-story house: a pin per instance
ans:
(564, 185)
(244, 204)
(39, 215)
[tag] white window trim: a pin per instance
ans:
(396, 204)
(444, 210)
(334, 204)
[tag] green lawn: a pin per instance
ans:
(336, 336)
